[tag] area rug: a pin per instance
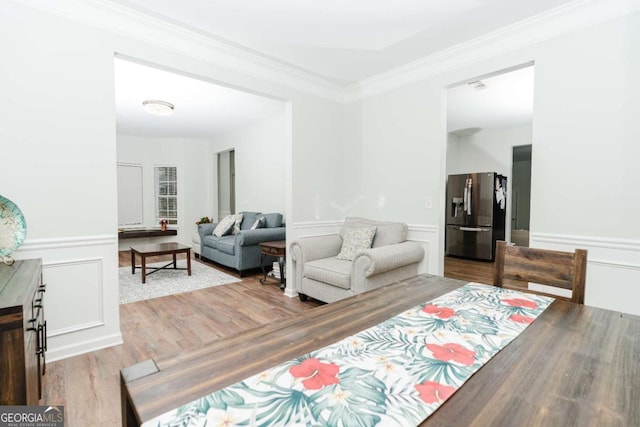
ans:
(169, 281)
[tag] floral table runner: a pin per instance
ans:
(396, 373)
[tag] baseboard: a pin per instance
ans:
(76, 349)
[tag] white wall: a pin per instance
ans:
(190, 157)
(58, 143)
(585, 157)
(260, 164)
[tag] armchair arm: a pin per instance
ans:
(386, 258)
(308, 249)
(316, 247)
(206, 229)
(253, 237)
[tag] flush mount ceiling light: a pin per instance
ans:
(477, 85)
(158, 108)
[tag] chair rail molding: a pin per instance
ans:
(613, 271)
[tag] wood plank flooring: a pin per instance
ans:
(469, 270)
(88, 385)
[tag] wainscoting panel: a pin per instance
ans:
(83, 280)
(613, 268)
(428, 236)
(81, 300)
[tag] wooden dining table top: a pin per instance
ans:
(574, 365)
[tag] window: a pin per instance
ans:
(167, 193)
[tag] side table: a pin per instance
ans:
(276, 248)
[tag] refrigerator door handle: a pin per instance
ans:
(473, 229)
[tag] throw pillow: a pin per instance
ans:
(355, 241)
(259, 223)
(236, 225)
(224, 226)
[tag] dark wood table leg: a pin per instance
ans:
(133, 262)
(281, 265)
(264, 272)
(189, 261)
(174, 261)
(144, 268)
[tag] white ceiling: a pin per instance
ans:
(505, 101)
(202, 109)
(340, 41)
(344, 40)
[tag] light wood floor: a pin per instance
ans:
(88, 385)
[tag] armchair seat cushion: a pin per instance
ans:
(334, 271)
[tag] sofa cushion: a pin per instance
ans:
(330, 270)
(273, 220)
(259, 223)
(236, 224)
(210, 241)
(224, 227)
(355, 241)
(387, 233)
(249, 219)
(226, 244)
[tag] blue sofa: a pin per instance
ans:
(241, 251)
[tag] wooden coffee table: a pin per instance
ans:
(144, 251)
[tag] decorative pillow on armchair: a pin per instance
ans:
(224, 226)
(355, 241)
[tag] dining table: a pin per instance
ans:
(575, 365)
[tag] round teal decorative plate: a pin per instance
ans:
(13, 227)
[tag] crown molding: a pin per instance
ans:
(155, 31)
(152, 30)
(553, 23)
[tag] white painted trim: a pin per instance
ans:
(553, 23)
(67, 242)
(614, 264)
(84, 347)
(600, 242)
(75, 328)
(195, 43)
(424, 228)
(317, 224)
(159, 32)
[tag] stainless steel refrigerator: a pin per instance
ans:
(476, 214)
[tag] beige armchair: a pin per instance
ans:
(320, 274)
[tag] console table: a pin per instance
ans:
(23, 333)
(147, 232)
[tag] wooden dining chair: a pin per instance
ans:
(558, 269)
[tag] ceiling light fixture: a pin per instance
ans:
(477, 85)
(158, 108)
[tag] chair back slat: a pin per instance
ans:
(563, 270)
(549, 267)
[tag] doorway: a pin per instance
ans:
(226, 183)
(521, 195)
(489, 126)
